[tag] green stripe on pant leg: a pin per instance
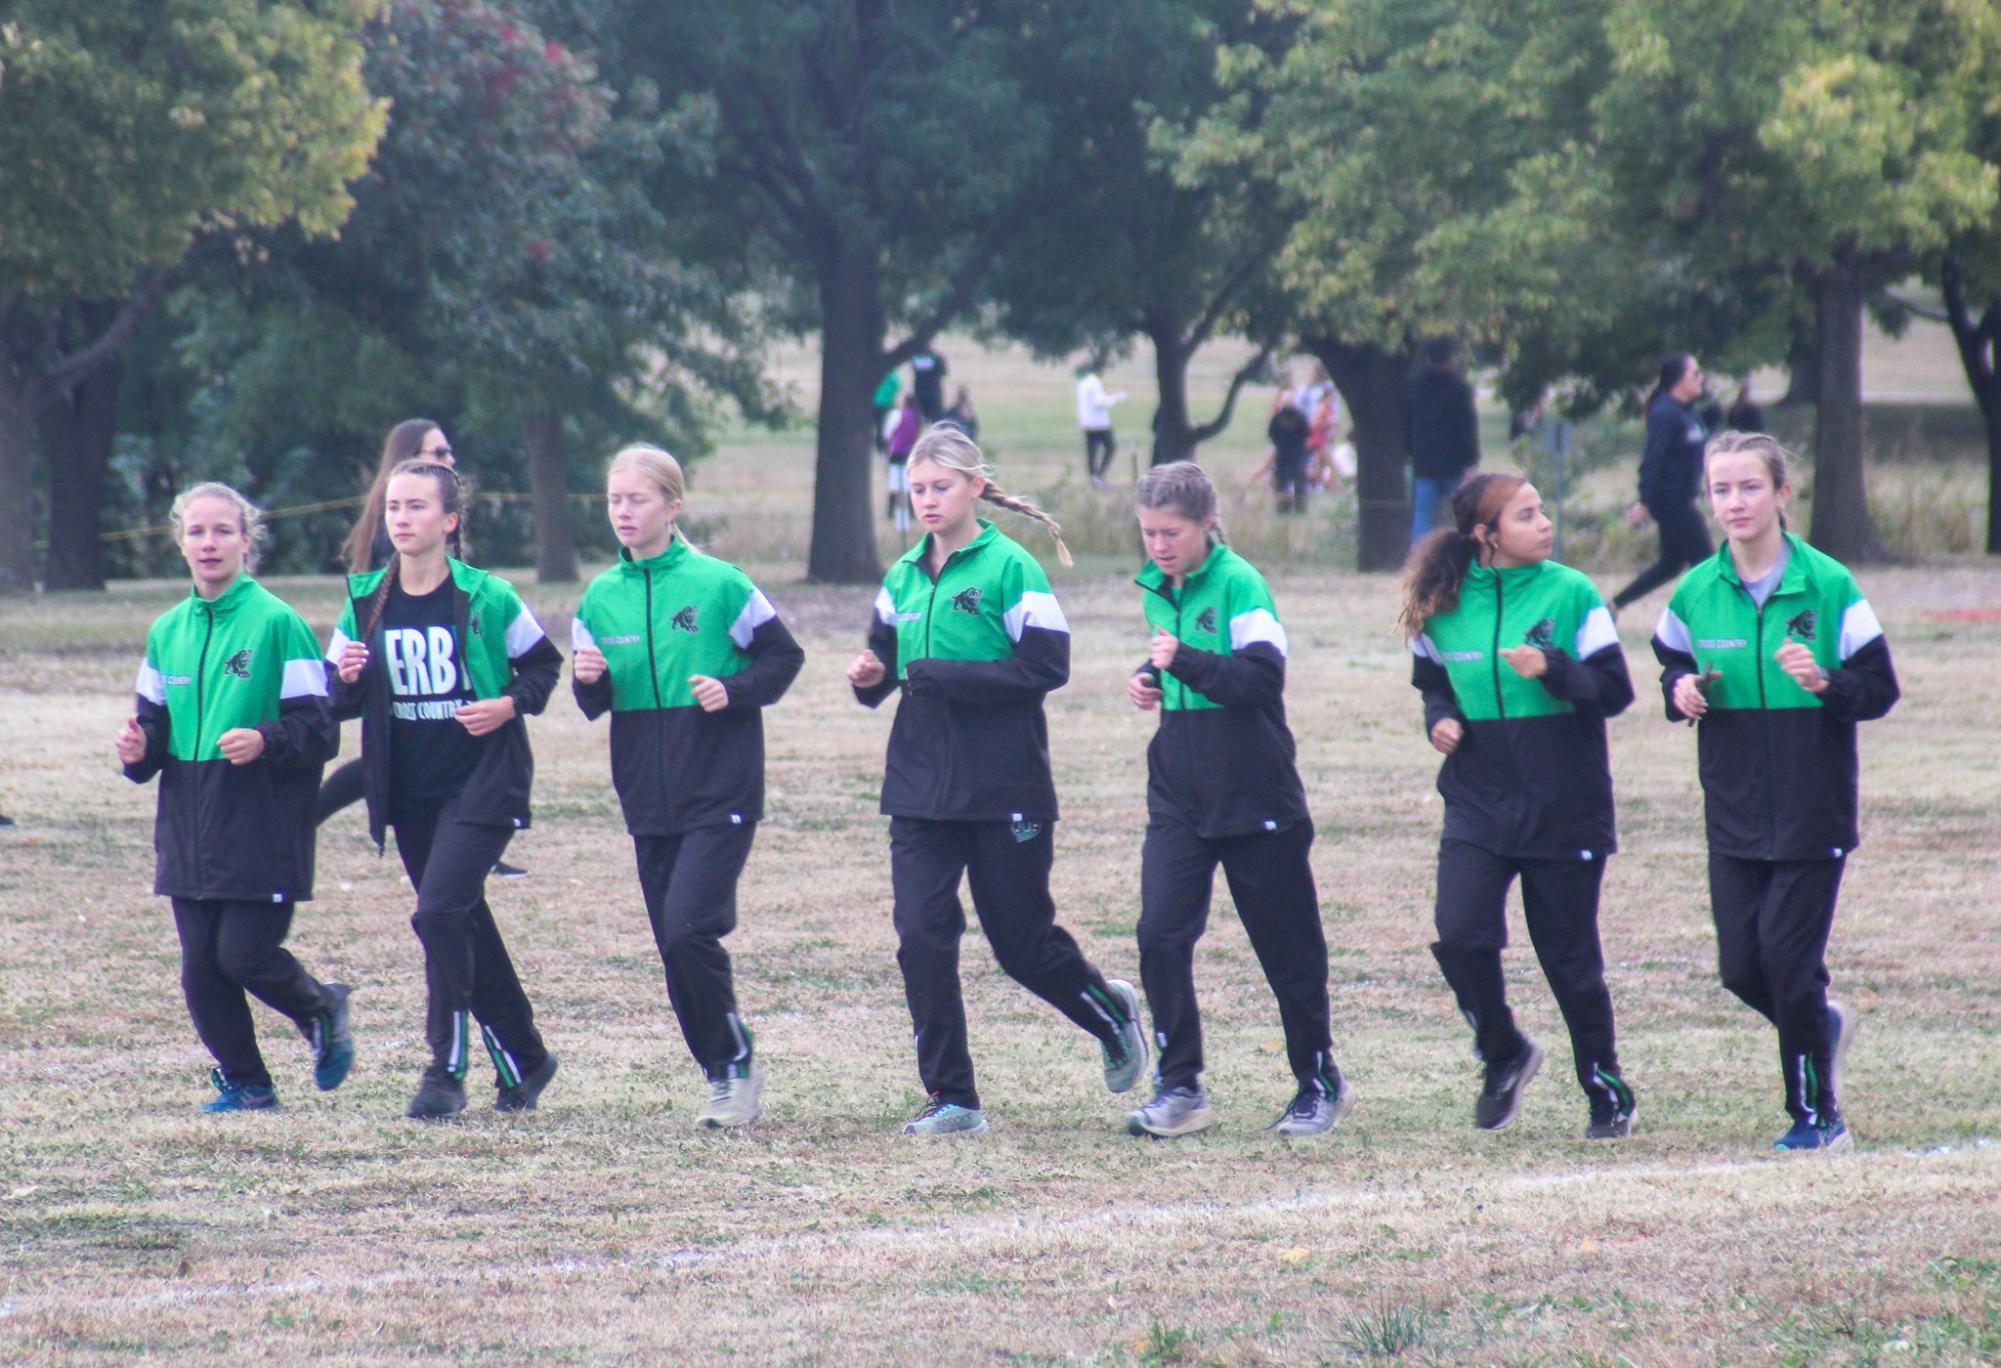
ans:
(510, 1077)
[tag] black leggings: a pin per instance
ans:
(1684, 541)
(689, 882)
(1772, 921)
(467, 971)
(229, 949)
(1098, 450)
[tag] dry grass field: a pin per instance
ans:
(604, 1228)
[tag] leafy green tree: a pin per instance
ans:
(129, 129)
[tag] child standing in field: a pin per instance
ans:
(967, 629)
(1519, 667)
(1770, 649)
(1222, 788)
(685, 652)
(232, 716)
(442, 662)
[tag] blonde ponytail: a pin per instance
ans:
(947, 445)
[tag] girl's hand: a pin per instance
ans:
(1160, 651)
(710, 693)
(1141, 690)
(240, 745)
(486, 715)
(1636, 515)
(587, 666)
(131, 743)
(1446, 733)
(1797, 661)
(353, 660)
(1689, 698)
(867, 671)
(1527, 661)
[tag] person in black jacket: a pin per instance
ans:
(1288, 432)
(1441, 432)
(1670, 475)
(442, 662)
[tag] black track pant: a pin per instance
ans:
(1007, 864)
(341, 789)
(466, 969)
(1560, 903)
(1772, 920)
(689, 882)
(1684, 541)
(229, 949)
(1098, 451)
(1271, 880)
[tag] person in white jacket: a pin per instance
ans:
(1094, 415)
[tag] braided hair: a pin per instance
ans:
(451, 496)
(1182, 487)
(947, 445)
(1438, 564)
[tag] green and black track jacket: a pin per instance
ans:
(503, 651)
(1222, 759)
(1532, 777)
(237, 833)
(1778, 763)
(973, 651)
(659, 621)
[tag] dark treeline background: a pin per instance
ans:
(239, 242)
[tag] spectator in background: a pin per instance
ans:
(962, 414)
(1094, 416)
(1288, 431)
(1745, 415)
(927, 370)
(885, 404)
(1670, 477)
(899, 434)
(1441, 431)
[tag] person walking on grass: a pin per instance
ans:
(1670, 476)
(1221, 788)
(442, 663)
(899, 434)
(1094, 419)
(231, 715)
(1769, 648)
(967, 630)
(1519, 667)
(685, 653)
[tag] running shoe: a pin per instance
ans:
(1611, 1113)
(439, 1097)
(523, 1096)
(1827, 1134)
(1171, 1112)
(1501, 1094)
(504, 870)
(333, 1042)
(1125, 1059)
(734, 1100)
(945, 1118)
(236, 1097)
(1313, 1112)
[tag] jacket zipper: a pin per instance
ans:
(652, 665)
(1764, 714)
(201, 685)
(1494, 656)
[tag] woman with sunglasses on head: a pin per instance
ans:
(1769, 648)
(442, 662)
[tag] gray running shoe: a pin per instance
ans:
(439, 1097)
(1171, 1112)
(734, 1100)
(945, 1118)
(1501, 1094)
(1313, 1112)
(524, 1096)
(1126, 1061)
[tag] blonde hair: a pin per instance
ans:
(659, 466)
(1766, 448)
(249, 515)
(948, 446)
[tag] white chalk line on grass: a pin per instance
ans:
(1173, 1213)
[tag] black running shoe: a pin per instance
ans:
(504, 870)
(1501, 1094)
(439, 1097)
(523, 1095)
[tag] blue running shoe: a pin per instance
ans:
(1831, 1134)
(945, 1118)
(236, 1097)
(333, 1042)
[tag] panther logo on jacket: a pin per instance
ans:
(238, 665)
(472, 623)
(1542, 636)
(1801, 625)
(1205, 621)
(684, 621)
(967, 600)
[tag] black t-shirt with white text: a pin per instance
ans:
(431, 754)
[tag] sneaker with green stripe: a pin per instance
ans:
(1126, 1054)
(1613, 1107)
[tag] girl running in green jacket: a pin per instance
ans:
(1222, 788)
(1770, 649)
(965, 627)
(232, 716)
(685, 653)
(1519, 667)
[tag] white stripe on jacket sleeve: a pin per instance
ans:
(1425, 648)
(580, 635)
(1036, 609)
(885, 607)
(1595, 633)
(755, 614)
(1258, 625)
(1672, 633)
(1859, 627)
(149, 685)
(522, 633)
(336, 644)
(304, 679)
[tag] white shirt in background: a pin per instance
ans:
(1094, 406)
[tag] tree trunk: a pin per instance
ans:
(843, 550)
(77, 433)
(1174, 434)
(1979, 343)
(1375, 384)
(17, 483)
(1802, 369)
(1841, 523)
(549, 476)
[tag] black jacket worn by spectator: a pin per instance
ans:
(1671, 464)
(1441, 429)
